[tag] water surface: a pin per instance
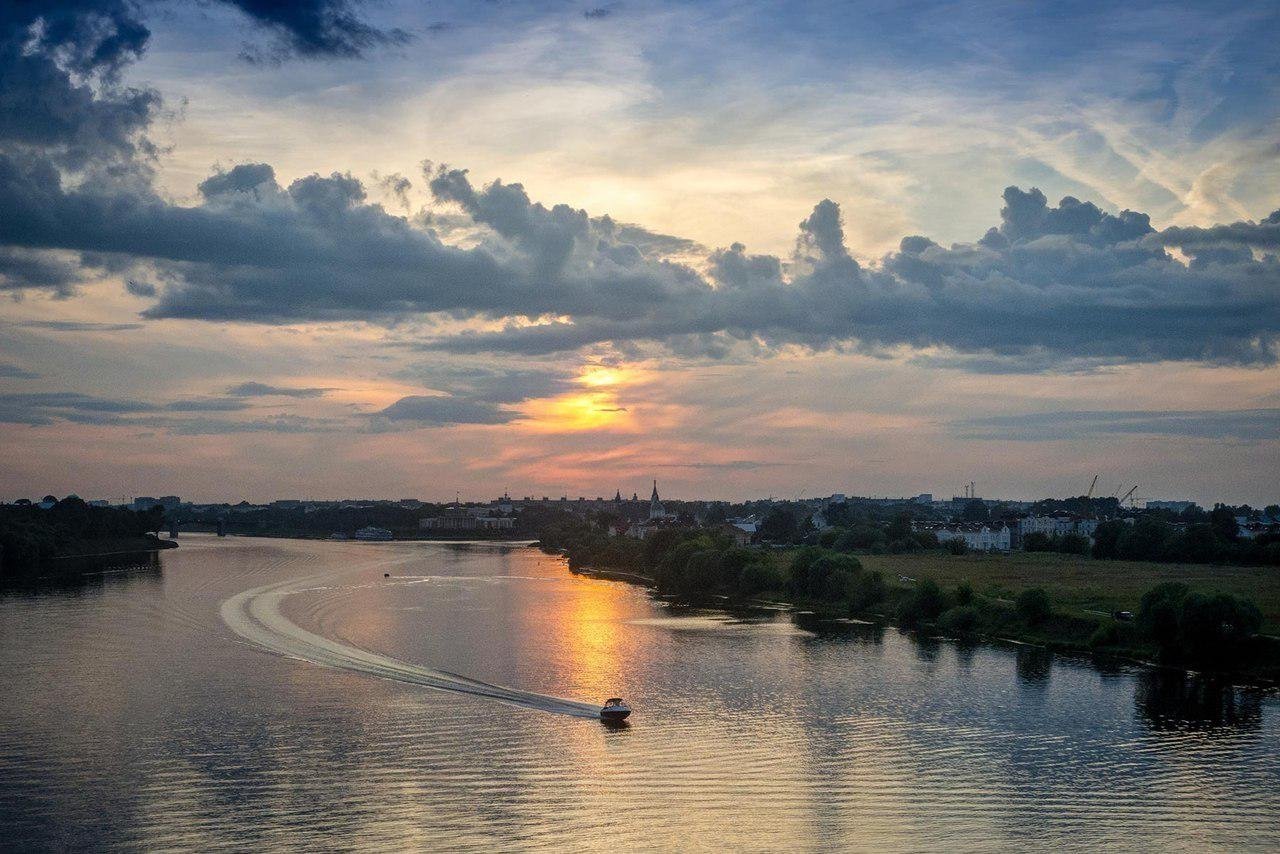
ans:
(252, 694)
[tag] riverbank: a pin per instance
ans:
(984, 598)
(113, 546)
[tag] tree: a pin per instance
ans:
(1159, 612)
(1223, 520)
(976, 511)
(900, 527)
(1033, 606)
(926, 602)
(1272, 510)
(779, 525)
(1106, 539)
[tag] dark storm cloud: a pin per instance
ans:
(1241, 424)
(23, 269)
(319, 28)
(61, 99)
(257, 389)
(438, 411)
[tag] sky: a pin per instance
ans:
(395, 249)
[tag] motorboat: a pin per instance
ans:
(615, 709)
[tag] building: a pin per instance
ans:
(1052, 526)
(977, 536)
(457, 518)
(736, 534)
(373, 533)
(1175, 506)
(656, 510)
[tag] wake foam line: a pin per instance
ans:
(255, 616)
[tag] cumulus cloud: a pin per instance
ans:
(1069, 282)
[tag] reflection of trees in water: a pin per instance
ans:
(76, 575)
(1035, 664)
(1170, 700)
(871, 634)
(965, 652)
(927, 648)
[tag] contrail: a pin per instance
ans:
(255, 616)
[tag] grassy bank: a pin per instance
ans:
(1081, 586)
(1198, 617)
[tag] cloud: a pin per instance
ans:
(41, 408)
(207, 404)
(439, 411)
(257, 389)
(80, 326)
(1252, 425)
(275, 424)
(13, 372)
(731, 465)
(1070, 282)
(318, 28)
(492, 385)
(140, 289)
(26, 269)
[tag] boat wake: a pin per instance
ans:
(255, 616)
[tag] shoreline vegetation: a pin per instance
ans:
(1194, 618)
(57, 540)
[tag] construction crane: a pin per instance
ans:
(1092, 486)
(1127, 494)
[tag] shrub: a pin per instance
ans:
(759, 576)
(964, 593)
(1037, 541)
(867, 589)
(924, 603)
(1033, 606)
(957, 546)
(961, 620)
(1105, 635)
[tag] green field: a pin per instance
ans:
(1083, 585)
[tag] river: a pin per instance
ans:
(252, 694)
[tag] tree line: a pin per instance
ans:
(30, 536)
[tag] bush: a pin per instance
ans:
(964, 593)
(1105, 635)
(924, 603)
(867, 589)
(760, 576)
(1037, 541)
(1206, 630)
(957, 546)
(961, 621)
(1032, 606)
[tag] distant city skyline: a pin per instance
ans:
(325, 249)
